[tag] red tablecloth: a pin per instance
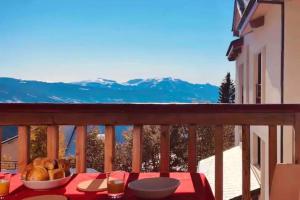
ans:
(193, 186)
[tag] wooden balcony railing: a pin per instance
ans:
(81, 115)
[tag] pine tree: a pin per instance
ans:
(95, 149)
(38, 142)
(227, 95)
(227, 90)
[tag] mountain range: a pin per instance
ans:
(164, 90)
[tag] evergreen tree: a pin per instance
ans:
(38, 142)
(227, 90)
(227, 95)
(178, 147)
(95, 149)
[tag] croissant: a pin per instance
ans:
(25, 171)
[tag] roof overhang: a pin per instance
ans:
(255, 9)
(234, 49)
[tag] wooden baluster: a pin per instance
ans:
(219, 162)
(297, 138)
(109, 148)
(272, 153)
(81, 137)
(1, 133)
(137, 148)
(164, 148)
(23, 147)
(192, 155)
(52, 141)
(246, 162)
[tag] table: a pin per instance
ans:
(194, 186)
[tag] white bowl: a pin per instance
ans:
(45, 185)
(154, 188)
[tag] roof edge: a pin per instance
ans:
(246, 13)
(250, 9)
(234, 48)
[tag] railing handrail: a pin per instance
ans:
(150, 107)
(128, 114)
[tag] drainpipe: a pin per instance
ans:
(282, 74)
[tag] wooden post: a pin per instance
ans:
(23, 147)
(52, 141)
(81, 136)
(246, 162)
(192, 155)
(1, 134)
(219, 162)
(272, 153)
(137, 148)
(297, 138)
(109, 148)
(164, 149)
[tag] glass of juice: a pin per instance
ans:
(116, 184)
(4, 185)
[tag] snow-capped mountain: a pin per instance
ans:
(98, 81)
(164, 90)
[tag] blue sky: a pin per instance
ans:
(72, 40)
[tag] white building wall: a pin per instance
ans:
(265, 40)
(292, 52)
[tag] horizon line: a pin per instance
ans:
(118, 82)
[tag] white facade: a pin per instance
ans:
(265, 42)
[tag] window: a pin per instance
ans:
(258, 151)
(258, 83)
(241, 83)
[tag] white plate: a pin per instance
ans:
(44, 185)
(154, 188)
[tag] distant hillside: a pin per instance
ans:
(166, 90)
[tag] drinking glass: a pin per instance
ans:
(116, 184)
(4, 185)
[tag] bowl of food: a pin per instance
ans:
(154, 188)
(46, 173)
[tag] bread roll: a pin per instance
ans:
(56, 174)
(37, 173)
(49, 163)
(64, 164)
(37, 162)
(43, 169)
